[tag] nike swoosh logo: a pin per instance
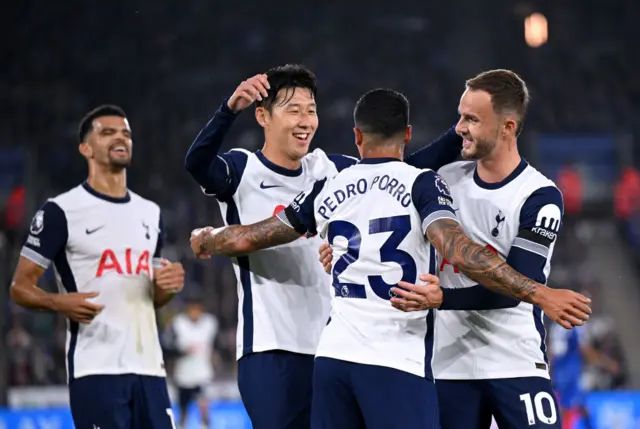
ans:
(263, 186)
(91, 231)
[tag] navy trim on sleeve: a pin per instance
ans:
(540, 219)
(432, 198)
(161, 238)
(202, 160)
(48, 234)
(235, 162)
(540, 222)
(301, 212)
(342, 161)
(445, 150)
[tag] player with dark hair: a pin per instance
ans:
(376, 216)
(105, 245)
(490, 355)
(283, 299)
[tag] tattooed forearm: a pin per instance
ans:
(236, 240)
(479, 263)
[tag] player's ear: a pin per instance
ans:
(262, 116)
(85, 150)
(510, 127)
(407, 134)
(358, 135)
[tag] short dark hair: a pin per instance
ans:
(86, 124)
(382, 111)
(507, 90)
(288, 76)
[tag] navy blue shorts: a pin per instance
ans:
(349, 395)
(275, 387)
(125, 401)
(186, 395)
(515, 403)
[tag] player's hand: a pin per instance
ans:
(326, 256)
(76, 307)
(565, 307)
(169, 277)
(197, 242)
(252, 89)
(418, 297)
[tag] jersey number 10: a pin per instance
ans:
(399, 227)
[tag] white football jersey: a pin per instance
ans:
(195, 340)
(283, 299)
(374, 215)
(481, 334)
(108, 245)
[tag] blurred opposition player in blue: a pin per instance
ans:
(568, 350)
(283, 299)
(490, 355)
(105, 245)
(376, 215)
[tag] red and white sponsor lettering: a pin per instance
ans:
(131, 264)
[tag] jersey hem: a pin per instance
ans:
(269, 348)
(493, 375)
(418, 373)
(78, 374)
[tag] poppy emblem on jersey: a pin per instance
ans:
(37, 224)
(499, 219)
(442, 186)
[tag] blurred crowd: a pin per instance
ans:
(170, 66)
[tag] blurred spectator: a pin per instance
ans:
(570, 183)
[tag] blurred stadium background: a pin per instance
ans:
(170, 63)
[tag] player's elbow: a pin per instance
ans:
(192, 164)
(17, 292)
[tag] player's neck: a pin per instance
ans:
(386, 151)
(112, 184)
(279, 158)
(499, 165)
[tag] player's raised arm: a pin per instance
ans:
(445, 150)
(46, 241)
(236, 240)
(219, 174)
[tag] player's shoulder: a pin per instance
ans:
(210, 320)
(70, 199)
(319, 163)
(536, 179)
(457, 170)
(144, 203)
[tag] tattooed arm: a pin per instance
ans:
(237, 240)
(480, 264)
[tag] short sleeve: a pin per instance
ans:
(342, 161)
(540, 220)
(228, 174)
(162, 235)
(300, 214)
(48, 234)
(432, 198)
(540, 224)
